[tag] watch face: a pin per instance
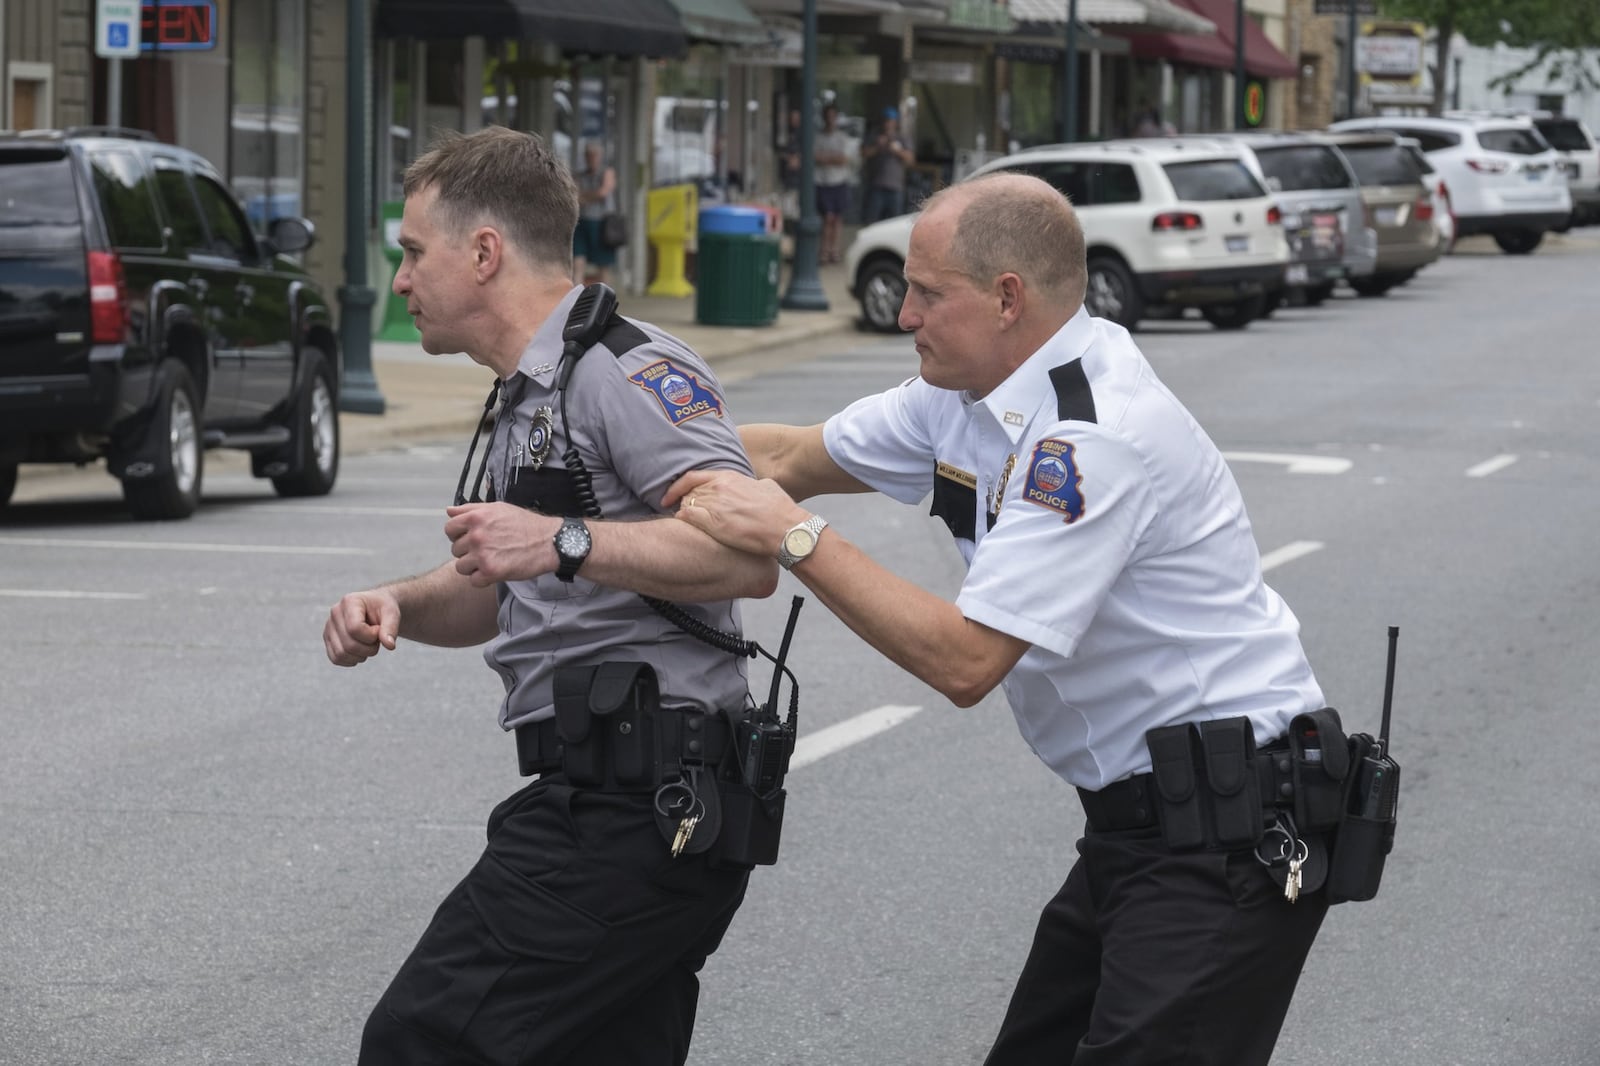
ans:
(798, 541)
(574, 540)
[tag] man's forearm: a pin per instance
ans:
(670, 560)
(444, 609)
(797, 459)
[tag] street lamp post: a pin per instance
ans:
(1069, 77)
(805, 287)
(1241, 119)
(359, 391)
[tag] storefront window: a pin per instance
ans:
(266, 157)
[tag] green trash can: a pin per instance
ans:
(736, 268)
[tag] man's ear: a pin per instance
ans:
(487, 249)
(1013, 295)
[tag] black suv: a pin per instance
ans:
(142, 321)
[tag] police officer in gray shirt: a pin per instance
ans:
(577, 936)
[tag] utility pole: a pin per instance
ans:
(1069, 77)
(1240, 119)
(359, 391)
(805, 287)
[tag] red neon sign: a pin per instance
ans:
(178, 25)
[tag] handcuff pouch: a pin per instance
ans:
(1319, 756)
(606, 717)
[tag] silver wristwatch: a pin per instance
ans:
(800, 541)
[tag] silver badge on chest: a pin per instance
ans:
(540, 435)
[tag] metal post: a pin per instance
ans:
(114, 92)
(359, 392)
(1350, 61)
(1240, 121)
(1069, 77)
(805, 287)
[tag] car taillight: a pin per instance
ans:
(1274, 216)
(1176, 220)
(108, 299)
(1422, 210)
(1489, 166)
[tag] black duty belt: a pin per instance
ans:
(1131, 803)
(683, 737)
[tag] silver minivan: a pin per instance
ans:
(1329, 234)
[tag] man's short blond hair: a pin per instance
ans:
(507, 179)
(1018, 224)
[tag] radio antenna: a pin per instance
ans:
(1388, 690)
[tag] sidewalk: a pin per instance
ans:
(428, 396)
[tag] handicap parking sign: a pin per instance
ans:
(117, 35)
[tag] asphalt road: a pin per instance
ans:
(216, 848)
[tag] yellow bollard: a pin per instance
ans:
(673, 210)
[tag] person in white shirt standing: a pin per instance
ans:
(832, 155)
(1114, 591)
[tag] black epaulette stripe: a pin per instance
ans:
(623, 336)
(1074, 398)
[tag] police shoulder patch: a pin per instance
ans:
(1054, 480)
(680, 393)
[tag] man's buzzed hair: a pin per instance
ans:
(507, 179)
(1015, 223)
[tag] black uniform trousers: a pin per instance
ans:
(575, 940)
(1147, 957)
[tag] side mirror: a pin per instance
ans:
(289, 235)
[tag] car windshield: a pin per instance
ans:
(38, 209)
(1515, 141)
(1565, 134)
(1213, 179)
(1303, 166)
(1382, 164)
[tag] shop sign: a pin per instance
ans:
(782, 49)
(848, 68)
(944, 72)
(1255, 102)
(1342, 7)
(1391, 51)
(178, 25)
(1027, 53)
(980, 15)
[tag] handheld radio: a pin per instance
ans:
(1366, 835)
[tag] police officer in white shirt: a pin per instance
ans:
(1050, 446)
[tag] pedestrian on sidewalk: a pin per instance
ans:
(577, 937)
(597, 192)
(1114, 589)
(832, 155)
(883, 172)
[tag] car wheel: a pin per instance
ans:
(1567, 225)
(1271, 302)
(8, 483)
(1235, 315)
(1376, 285)
(1316, 295)
(172, 492)
(1518, 241)
(883, 290)
(1111, 292)
(316, 434)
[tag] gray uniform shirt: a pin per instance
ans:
(640, 419)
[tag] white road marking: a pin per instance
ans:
(1490, 466)
(1296, 464)
(69, 594)
(179, 546)
(841, 735)
(1289, 553)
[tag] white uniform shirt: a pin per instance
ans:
(1121, 550)
(832, 173)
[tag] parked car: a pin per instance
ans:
(145, 322)
(1444, 218)
(1580, 160)
(1398, 204)
(1504, 178)
(1323, 217)
(1168, 223)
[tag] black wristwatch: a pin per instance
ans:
(572, 547)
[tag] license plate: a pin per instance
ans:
(1386, 216)
(1237, 244)
(1296, 274)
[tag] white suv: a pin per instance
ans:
(1169, 223)
(1504, 178)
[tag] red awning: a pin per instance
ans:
(1261, 57)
